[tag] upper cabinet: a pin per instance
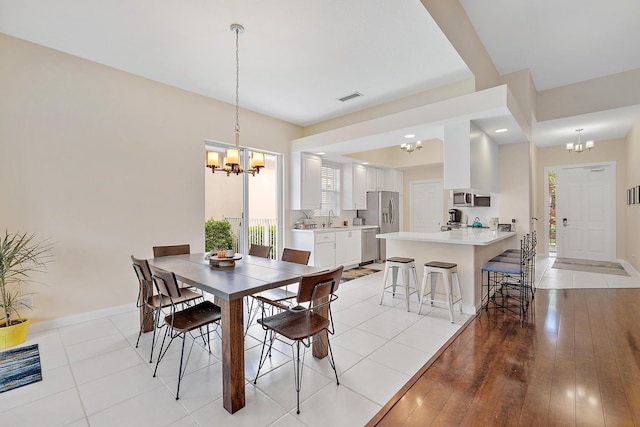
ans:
(379, 179)
(354, 186)
(394, 181)
(306, 181)
(375, 179)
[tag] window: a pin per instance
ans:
(330, 194)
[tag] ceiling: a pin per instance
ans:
(297, 58)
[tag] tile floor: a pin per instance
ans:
(550, 278)
(94, 375)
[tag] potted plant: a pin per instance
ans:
(20, 255)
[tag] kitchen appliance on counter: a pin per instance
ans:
(358, 221)
(383, 210)
(455, 216)
(462, 199)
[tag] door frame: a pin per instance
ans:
(411, 195)
(279, 188)
(613, 206)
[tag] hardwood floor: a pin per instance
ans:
(576, 362)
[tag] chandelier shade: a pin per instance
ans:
(410, 147)
(579, 147)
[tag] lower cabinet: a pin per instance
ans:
(348, 247)
(323, 255)
(329, 249)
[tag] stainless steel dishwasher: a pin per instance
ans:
(369, 244)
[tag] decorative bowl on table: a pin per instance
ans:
(225, 261)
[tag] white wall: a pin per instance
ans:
(105, 164)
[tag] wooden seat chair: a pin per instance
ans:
(151, 304)
(170, 250)
(260, 251)
(277, 294)
(296, 326)
(182, 322)
(160, 251)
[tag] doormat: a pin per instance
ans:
(357, 272)
(19, 367)
(601, 267)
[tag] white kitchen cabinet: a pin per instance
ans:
(329, 248)
(324, 255)
(321, 246)
(375, 179)
(354, 186)
(394, 181)
(306, 181)
(348, 247)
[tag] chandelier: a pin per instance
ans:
(410, 147)
(231, 160)
(579, 147)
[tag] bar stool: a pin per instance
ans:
(449, 273)
(396, 264)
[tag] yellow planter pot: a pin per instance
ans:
(13, 335)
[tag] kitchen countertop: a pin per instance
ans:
(463, 236)
(335, 228)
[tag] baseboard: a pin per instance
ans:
(79, 318)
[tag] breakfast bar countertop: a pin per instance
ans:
(463, 236)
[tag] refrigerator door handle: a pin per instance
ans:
(392, 213)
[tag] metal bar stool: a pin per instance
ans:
(396, 264)
(449, 272)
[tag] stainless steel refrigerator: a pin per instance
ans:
(383, 210)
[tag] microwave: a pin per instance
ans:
(462, 199)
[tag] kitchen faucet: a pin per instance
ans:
(331, 216)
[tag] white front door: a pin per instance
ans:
(425, 206)
(586, 212)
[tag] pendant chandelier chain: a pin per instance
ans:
(237, 29)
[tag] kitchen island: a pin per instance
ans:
(470, 248)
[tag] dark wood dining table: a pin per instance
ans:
(230, 285)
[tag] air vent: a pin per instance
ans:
(349, 97)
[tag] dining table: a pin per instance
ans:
(229, 285)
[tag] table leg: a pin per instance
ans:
(320, 347)
(147, 326)
(232, 354)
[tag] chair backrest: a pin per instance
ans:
(141, 267)
(296, 255)
(319, 285)
(145, 289)
(165, 282)
(160, 251)
(260, 250)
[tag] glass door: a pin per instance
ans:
(247, 207)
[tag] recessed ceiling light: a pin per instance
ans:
(410, 136)
(320, 153)
(365, 163)
(500, 130)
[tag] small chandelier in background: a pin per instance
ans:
(579, 147)
(231, 161)
(410, 147)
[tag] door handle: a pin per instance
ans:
(564, 222)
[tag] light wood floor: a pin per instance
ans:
(576, 362)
